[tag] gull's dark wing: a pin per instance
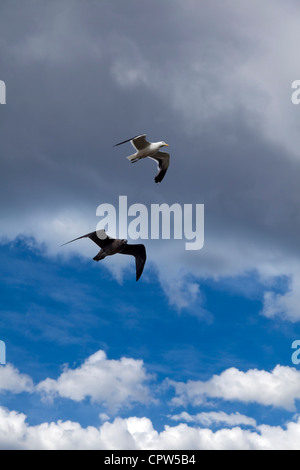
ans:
(139, 142)
(99, 237)
(163, 161)
(125, 141)
(139, 252)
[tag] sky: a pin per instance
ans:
(198, 353)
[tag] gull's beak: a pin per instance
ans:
(166, 145)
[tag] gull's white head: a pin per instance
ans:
(163, 144)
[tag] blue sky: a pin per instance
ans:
(197, 353)
(44, 327)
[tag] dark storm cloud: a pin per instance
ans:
(82, 76)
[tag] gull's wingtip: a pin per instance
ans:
(64, 244)
(123, 142)
(129, 140)
(99, 234)
(75, 239)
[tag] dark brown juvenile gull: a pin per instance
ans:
(151, 150)
(111, 246)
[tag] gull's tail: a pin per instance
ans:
(133, 158)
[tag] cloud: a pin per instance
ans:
(139, 434)
(16, 434)
(215, 417)
(113, 383)
(11, 380)
(121, 383)
(285, 306)
(278, 388)
(213, 90)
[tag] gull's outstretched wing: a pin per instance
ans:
(139, 252)
(99, 237)
(139, 142)
(163, 161)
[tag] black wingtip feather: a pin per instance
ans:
(160, 176)
(125, 141)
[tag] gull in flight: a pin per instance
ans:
(151, 150)
(111, 246)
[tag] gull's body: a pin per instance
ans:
(151, 150)
(111, 246)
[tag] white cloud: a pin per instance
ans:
(117, 383)
(285, 306)
(139, 433)
(11, 380)
(215, 417)
(15, 433)
(279, 388)
(179, 286)
(113, 383)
